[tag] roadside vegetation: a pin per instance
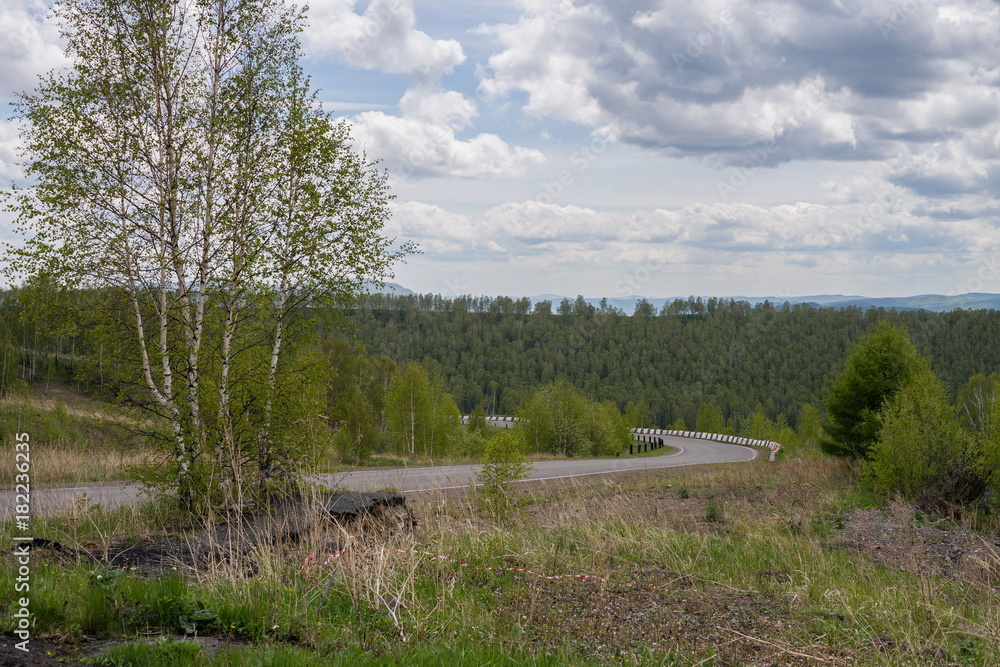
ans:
(76, 439)
(789, 563)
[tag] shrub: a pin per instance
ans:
(504, 465)
(922, 453)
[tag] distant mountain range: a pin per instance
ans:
(390, 288)
(936, 303)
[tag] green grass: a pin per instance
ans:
(681, 583)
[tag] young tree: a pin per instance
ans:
(989, 450)
(876, 368)
(637, 414)
(503, 465)
(975, 402)
(421, 416)
(409, 409)
(559, 419)
(356, 397)
(710, 418)
(921, 451)
(183, 171)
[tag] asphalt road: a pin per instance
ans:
(49, 500)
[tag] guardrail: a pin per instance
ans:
(650, 435)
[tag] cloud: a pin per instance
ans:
(422, 142)
(843, 80)
(877, 247)
(562, 234)
(29, 45)
(383, 38)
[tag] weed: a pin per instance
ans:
(162, 652)
(714, 512)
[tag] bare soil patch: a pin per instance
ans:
(615, 622)
(903, 536)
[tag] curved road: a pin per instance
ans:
(689, 451)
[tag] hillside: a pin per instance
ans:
(493, 352)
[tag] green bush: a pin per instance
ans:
(922, 453)
(504, 465)
(876, 369)
(560, 420)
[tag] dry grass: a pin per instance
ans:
(764, 582)
(73, 439)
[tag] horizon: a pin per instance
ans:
(926, 302)
(704, 295)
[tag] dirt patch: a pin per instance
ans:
(918, 543)
(40, 653)
(615, 622)
(236, 545)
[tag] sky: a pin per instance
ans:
(656, 147)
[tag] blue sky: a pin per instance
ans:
(661, 148)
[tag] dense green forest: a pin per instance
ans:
(493, 353)
(391, 376)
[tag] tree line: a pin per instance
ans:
(719, 360)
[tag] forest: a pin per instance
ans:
(774, 359)
(911, 396)
(716, 365)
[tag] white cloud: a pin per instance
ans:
(561, 233)
(29, 45)
(443, 107)
(384, 38)
(423, 143)
(854, 80)
(871, 247)
(9, 141)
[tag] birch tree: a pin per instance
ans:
(181, 166)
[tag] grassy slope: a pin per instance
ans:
(726, 565)
(73, 438)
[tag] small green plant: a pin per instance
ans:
(683, 493)
(190, 622)
(504, 465)
(714, 513)
(164, 651)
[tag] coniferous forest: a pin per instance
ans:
(773, 359)
(710, 364)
